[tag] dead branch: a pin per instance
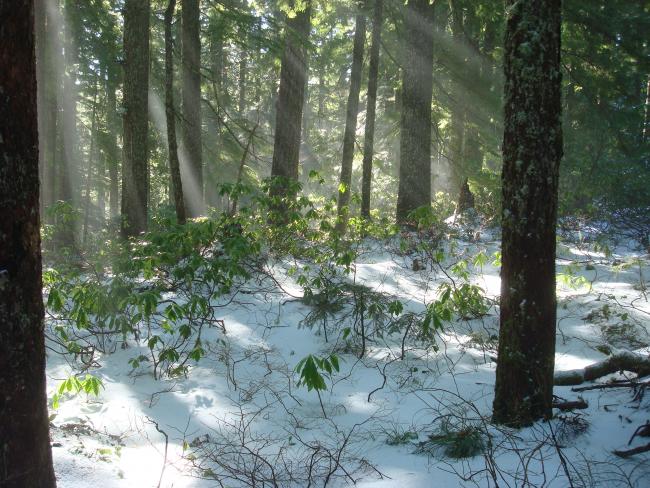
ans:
(622, 361)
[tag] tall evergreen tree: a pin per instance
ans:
(293, 77)
(135, 168)
(25, 454)
(415, 126)
(174, 165)
(191, 75)
(371, 109)
(532, 149)
(349, 136)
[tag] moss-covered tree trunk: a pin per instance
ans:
(25, 454)
(415, 128)
(291, 93)
(349, 135)
(532, 149)
(174, 165)
(191, 75)
(135, 177)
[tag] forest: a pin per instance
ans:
(310, 243)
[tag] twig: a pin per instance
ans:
(162, 471)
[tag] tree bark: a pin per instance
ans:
(69, 178)
(112, 122)
(191, 93)
(415, 127)
(371, 109)
(135, 178)
(174, 165)
(532, 149)
(213, 163)
(288, 121)
(25, 454)
(91, 157)
(349, 136)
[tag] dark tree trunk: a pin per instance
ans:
(40, 40)
(69, 161)
(242, 77)
(212, 165)
(174, 166)
(417, 90)
(457, 139)
(25, 454)
(532, 149)
(46, 54)
(135, 178)
(89, 172)
(646, 113)
(465, 198)
(371, 109)
(191, 73)
(349, 136)
(101, 189)
(112, 122)
(288, 122)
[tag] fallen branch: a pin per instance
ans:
(606, 386)
(632, 452)
(628, 361)
(576, 404)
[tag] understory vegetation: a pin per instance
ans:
(168, 306)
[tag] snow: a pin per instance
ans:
(245, 389)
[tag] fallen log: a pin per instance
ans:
(621, 361)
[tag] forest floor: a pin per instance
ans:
(402, 415)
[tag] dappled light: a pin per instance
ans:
(301, 243)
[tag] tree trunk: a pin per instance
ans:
(112, 150)
(457, 139)
(40, 40)
(212, 167)
(174, 165)
(288, 122)
(349, 136)
(25, 454)
(91, 156)
(371, 109)
(532, 149)
(191, 73)
(646, 113)
(417, 90)
(46, 52)
(69, 181)
(242, 75)
(135, 184)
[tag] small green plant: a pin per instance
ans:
(312, 370)
(571, 279)
(73, 386)
(454, 441)
(400, 437)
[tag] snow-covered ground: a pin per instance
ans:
(239, 414)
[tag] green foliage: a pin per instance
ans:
(312, 369)
(400, 437)
(199, 262)
(73, 386)
(571, 279)
(454, 441)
